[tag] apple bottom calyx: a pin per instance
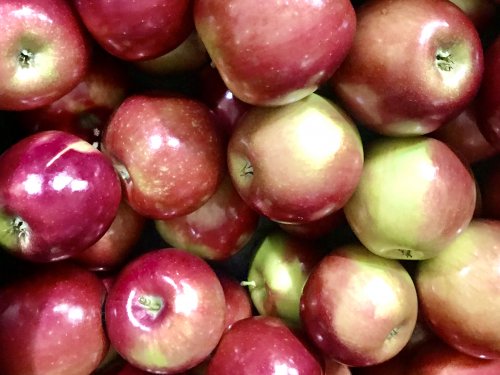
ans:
(14, 232)
(26, 58)
(444, 60)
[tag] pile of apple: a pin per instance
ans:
(254, 187)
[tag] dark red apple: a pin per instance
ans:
(489, 95)
(315, 229)
(45, 53)
(217, 230)
(114, 247)
(238, 302)
(50, 322)
(298, 162)
(273, 53)
(414, 65)
(358, 308)
(261, 346)
(58, 196)
(86, 109)
(137, 30)
(165, 311)
(168, 152)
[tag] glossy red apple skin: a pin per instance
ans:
(358, 308)
(273, 53)
(398, 78)
(217, 230)
(315, 229)
(115, 246)
(463, 136)
(165, 311)
(58, 196)
(133, 30)
(238, 302)
(50, 322)
(259, 346)
(170, 150)
(45, 52)
(458, 290)
(86, 109)
(489, 95)
(296, 163)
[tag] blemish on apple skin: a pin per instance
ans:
(406, 253)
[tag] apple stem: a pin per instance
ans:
(444, 60)
(250, 284)
(151, 303)
(26, 58)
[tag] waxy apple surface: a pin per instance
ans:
(50, 322)
(260, 346)
(458, 291)
(58, 196)
(137, 30)
(165, 312)
(168, 151)
(414, 64)
(45, 53)
(273, 53)
(296, 163)
(415, 196)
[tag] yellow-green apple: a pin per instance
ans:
(51, 322)
(168, 152)
(114, 247)
(217, 230)
(58, 196)
(457, 290)
(137, 30)
(358, 308)
(262, 345)
(298, 162)
(415, 196)
(278, 271)
(273, 53)
(414, 64)
(45, 53)
(489, 95)
(165, 312)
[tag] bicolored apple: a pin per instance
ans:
(415, 196)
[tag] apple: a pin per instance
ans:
(480, 12)
(278, 271)
(415, 196)
(116, 244)
(189, 56)
(457, 290)
(421, 68)
(85, 110)
(262, 345)
(334, 368)
(274, 53)
(58, 196)
(217, 230)
(50, 322)
(165, 313)
(168, 152)
(298, 162)
(489, 95)
(315, 229)
(45, 52)
(132, 30)
(358, 308)
(238, 302)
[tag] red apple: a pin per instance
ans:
(489, 96)
(165, 311)
(137, 30)
(45, 53)
(298, 162)
(238, 303)
(168, 152)
(414, 65)
(50, 322)
(217, 230)
(261, 346)
(458, 291)
(58, 196)
(273, 53)
(86, 109)
(315, 229)
(358, 308)
(114, 247)
(415, 197)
